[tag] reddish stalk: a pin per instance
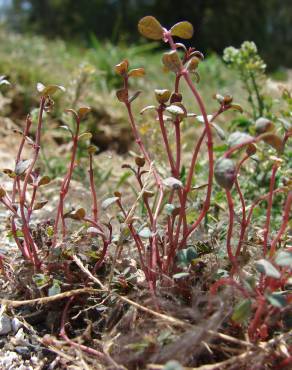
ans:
(228, 281)
(156, 176)
(165, 140)
(269, 208)
(65, 186)
(230, 229)
(28, 123)
(255, 323)
(243, 207)
(285, 220)
(93, 190)
(22, 193)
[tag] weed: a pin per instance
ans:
(163, 232)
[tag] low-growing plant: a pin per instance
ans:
(164, 234)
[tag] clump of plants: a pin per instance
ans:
(157, 222)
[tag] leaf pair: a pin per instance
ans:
(152, 29)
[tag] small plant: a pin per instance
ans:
(163, 233)
(251, 69)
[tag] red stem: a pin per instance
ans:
(230, 229)
(255, 323)
(286, 217)
(269, 208)
(92, 188)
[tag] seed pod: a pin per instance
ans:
(225, 173)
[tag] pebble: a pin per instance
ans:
(5, 325)
(16, 324)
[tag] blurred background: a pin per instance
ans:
(218, 23)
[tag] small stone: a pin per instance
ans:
(5, 325)
(8, 359)
(16, 324)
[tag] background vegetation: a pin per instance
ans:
(217, 23)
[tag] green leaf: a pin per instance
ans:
(267, 268)
(277, 299)
(172, 365)
(185, 256)
(184, 30)
(284, 258)
(50, 231)
(181, 275)
(55, 288)
(85, 136)
(169, 208)
(150, 28)
(145, 233)
(108, 202)
(40, 280)
(242, 311)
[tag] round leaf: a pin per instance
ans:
(2, 192)
(172, 61)
(162, 96)
(267, 268)
(237, 138)
(184, 30)
(150, 28)
(225, 172)
(122, 68)
(82, 111)
(44, 180)
(50, 89)
(137, 72)
(145, 233)
(242, 311)
(173, 183)
(122, 95)
(263, 125)
(85, 136)
(108, 202)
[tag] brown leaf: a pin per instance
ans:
(184, 30)
(150, 28)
